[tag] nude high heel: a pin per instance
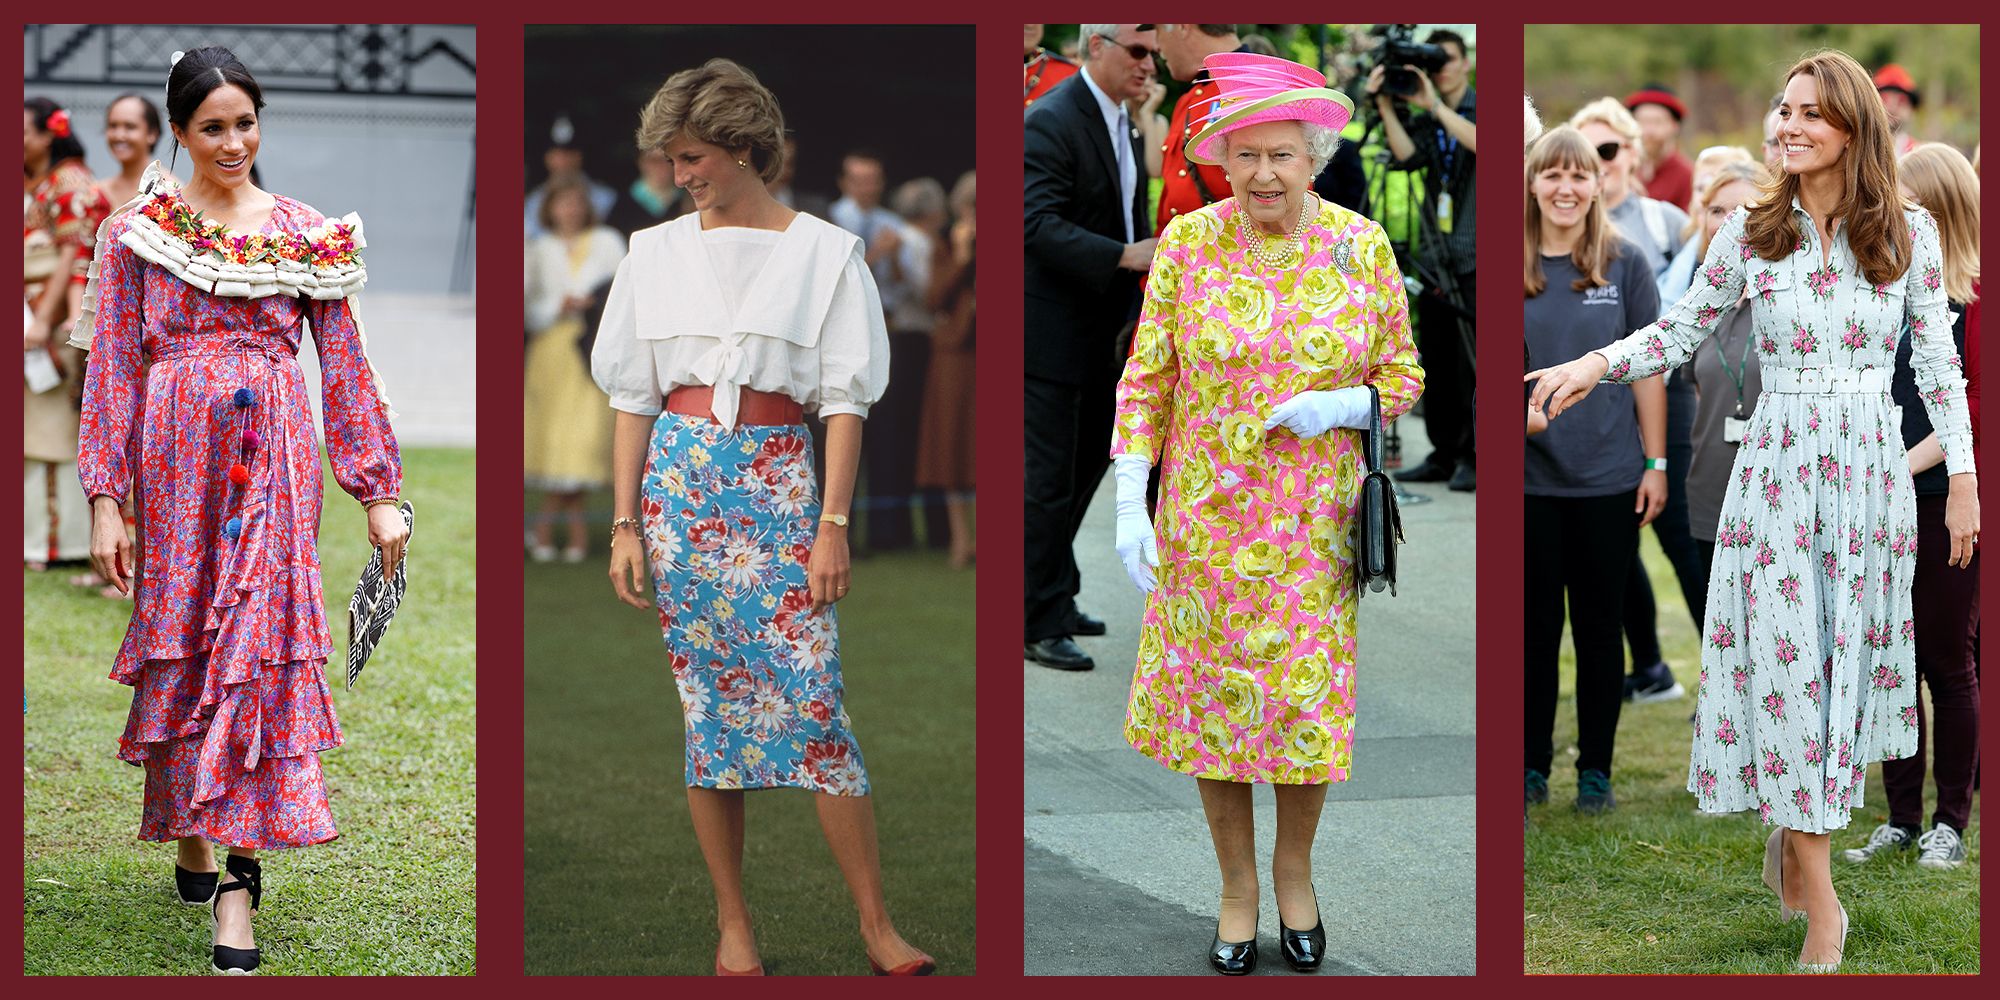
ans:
(1774, 874)
(1833, 966)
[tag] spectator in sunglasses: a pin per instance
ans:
(1652, 225)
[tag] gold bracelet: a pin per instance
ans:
(621, 522)
(370, 505)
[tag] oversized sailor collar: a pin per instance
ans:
(323, 262)
(680, 295)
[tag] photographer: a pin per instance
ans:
(1438, 138)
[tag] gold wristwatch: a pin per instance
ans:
(837, 520)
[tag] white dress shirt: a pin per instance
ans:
(1119, 127)
(793, 312)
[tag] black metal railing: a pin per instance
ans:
(370, 59)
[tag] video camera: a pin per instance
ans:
(1399, 49)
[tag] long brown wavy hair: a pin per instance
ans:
(1564, 146)
(1870, 207)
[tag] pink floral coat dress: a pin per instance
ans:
(1247, 649)
(196, 397)
(1808, 657)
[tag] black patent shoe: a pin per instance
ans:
(194, 888)
(250, 878)
(1303, 950)
(1233, 958)
(1060, 653)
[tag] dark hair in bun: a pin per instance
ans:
(198, 73)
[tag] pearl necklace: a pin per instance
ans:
(1265, 254)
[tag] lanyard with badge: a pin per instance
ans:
(1447, 150)
(1734, 425)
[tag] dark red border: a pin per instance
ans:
(1001, 934)
(1500, 418)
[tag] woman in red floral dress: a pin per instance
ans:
(202, 298)
(63, 209)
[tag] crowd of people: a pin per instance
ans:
(63, 203)
(918, 480)
(1098, 130)
(1772, 357)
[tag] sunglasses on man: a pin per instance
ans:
(1135, 50)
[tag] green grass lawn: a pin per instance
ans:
(615, 880)
(1657, 888)
(392, 896)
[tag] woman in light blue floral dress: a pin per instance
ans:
(1807, 659)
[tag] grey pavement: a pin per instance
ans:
(1120, 872)
(424, 347)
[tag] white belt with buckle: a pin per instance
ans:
(1825, 380)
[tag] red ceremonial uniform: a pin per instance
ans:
(1179, 194)
(1041, 72)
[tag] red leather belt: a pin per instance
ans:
(752, 406)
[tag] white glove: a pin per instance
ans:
(1137, 545)
(1317, 411)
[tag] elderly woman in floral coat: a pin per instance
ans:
(1267, 318)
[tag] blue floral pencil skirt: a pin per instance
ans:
(730, 518)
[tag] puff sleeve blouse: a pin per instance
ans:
(793, 312)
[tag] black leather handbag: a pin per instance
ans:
(1378, 525)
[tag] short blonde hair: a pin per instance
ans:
(1750, 172)
(720, 103)
(1706, 164)
(1531, 123)
(1608, 112)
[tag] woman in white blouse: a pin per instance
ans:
(739, 317)
(566, 431)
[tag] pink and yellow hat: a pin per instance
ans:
(1254, 89)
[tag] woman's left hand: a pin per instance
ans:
(827, 567)
(1961, 518)
(386, 531)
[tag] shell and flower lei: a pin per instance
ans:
(331, 245)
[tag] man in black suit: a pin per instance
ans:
(1088, 246)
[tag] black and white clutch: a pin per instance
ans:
(375, 601)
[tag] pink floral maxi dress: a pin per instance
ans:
(1808, 655)
(1247, 648)
(228, 639)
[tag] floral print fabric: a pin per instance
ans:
(730, 518)
(1808, 652)
(67, 206)
(1247, 648)
(228, 636)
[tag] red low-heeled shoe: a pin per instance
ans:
(722, 970)
(923, 966)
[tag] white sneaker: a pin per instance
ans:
(1942, 849)
(1887, 838)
